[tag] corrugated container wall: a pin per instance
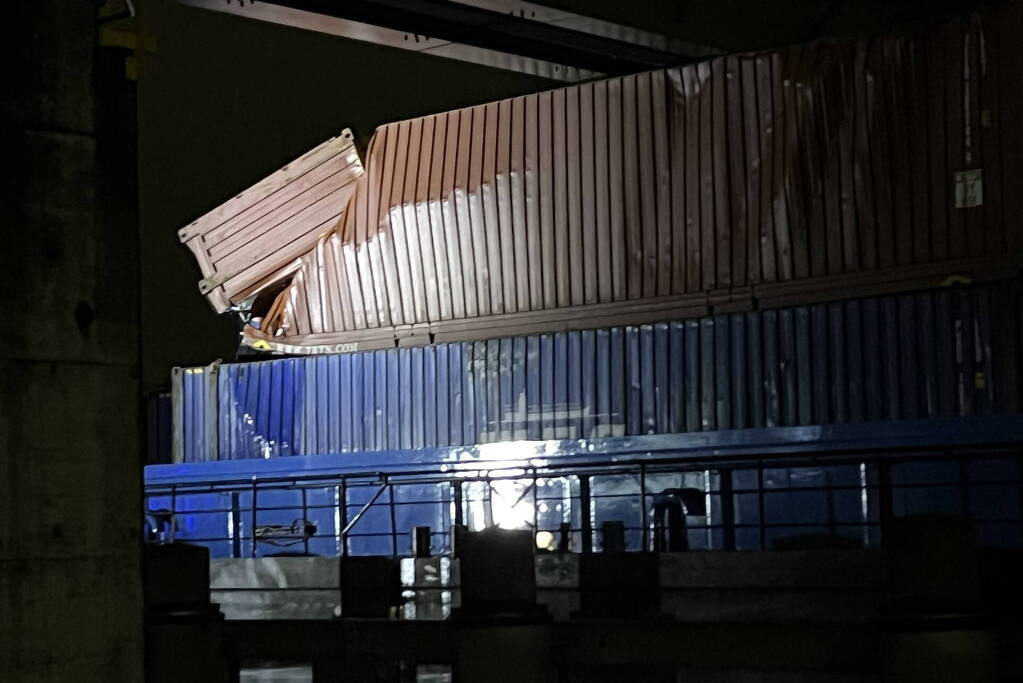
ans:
(945, 353)
(255, 239)
(773, 177)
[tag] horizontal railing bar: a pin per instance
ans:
(429, 476)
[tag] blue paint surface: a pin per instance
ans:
(816, 480)
(927, 355)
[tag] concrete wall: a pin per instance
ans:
(70, 593)
(277, 587)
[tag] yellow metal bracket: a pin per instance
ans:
(129, 34)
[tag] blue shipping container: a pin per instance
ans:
(940, 353)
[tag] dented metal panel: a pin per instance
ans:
(926, 355)
(803, 174)
(257, 237)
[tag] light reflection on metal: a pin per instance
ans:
(509, 510)
(657, 196)
(611, 485)
(256, 238)
(355, 30)
(594, 26)
(361, 512)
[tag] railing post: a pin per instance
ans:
(727, 509)
(865, 494)
(584, 503)
(642, 506)
(394, 525)
(760, 505)
(342, 516)
(536, 512)
(305, 512)
(174, 513)
(252, 531)
(236, 525)
(488, 504)
(457, 494)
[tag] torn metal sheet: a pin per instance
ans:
(810, 170)
(259, 236)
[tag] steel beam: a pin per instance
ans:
(505, 34)
(484, 28)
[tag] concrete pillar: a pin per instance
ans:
(70, 579)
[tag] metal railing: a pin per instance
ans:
(844, 499)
